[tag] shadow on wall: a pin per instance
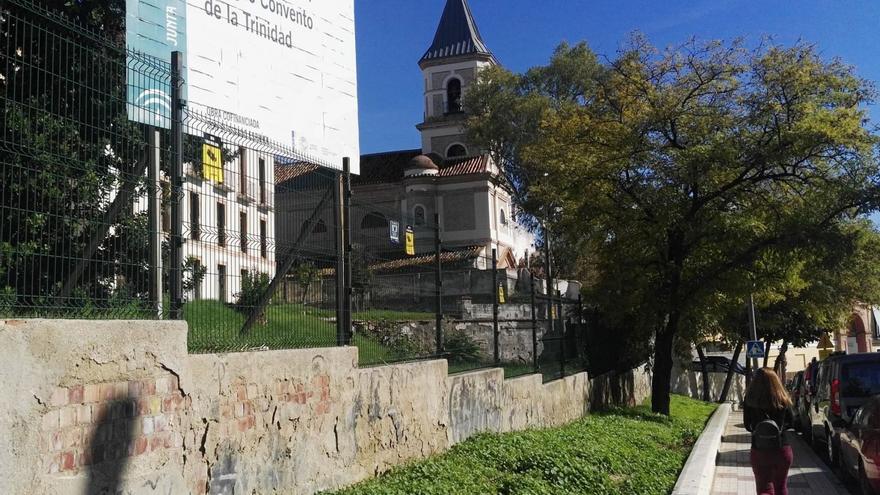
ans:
(619, 389)
(111, 445)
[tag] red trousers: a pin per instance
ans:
(771, 470)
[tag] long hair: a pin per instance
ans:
(766, 391)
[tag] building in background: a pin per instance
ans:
(448, 176)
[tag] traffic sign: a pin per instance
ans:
(754, 349)
(394, 231)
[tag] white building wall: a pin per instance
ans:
(206, 248)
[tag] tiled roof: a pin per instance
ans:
(388, 168)
(457, 34)
(466, 166)
(380, 168)
(286, 172)
(446, 257)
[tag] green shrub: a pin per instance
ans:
(619, 451)
(461, 348)
(253, 286)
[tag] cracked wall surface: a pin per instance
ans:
(93, 405)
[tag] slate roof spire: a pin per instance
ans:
(457, 34)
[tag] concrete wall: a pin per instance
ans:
(90, 406)
(620, 389)
(690, 383)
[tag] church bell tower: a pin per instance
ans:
(449, 66)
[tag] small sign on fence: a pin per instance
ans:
(410, 241)
(394, 231)
(212, 158)
(501, 299)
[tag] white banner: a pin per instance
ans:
(283, 69)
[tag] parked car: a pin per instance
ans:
(845, 383)
(795, 391)
(860, 447)
(717, 364)
(802, 417)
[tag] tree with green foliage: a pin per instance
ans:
(682, 173)
(67, 147)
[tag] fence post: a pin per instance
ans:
(548, 261)
(563, 342)
(438, 285)
(154, 207)
(346, 225)
(341, 333)
(534, 324)
(581, 329)
(497, 352)
(176, 166)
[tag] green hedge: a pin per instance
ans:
(629, 451)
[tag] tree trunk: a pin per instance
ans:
(727, 380)
(661, 381)
(766, 353)
(748, 370)
(704, 372)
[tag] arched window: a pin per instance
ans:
(503, 217)
(374, 220)
(455, 151)
(419, 214)
(453, 96)
(318, 227)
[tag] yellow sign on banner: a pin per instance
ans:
(500, 294)
(410, 241)
(212, 159)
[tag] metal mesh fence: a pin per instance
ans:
(71, 245)
(118, 202)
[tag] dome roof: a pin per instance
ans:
(422, 162)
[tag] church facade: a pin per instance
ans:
(447, 176)
(447, 182)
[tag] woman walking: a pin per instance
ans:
(767, 416)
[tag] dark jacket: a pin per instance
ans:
(783, 417)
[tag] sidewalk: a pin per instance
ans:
(733, 474)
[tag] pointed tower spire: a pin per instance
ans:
(457, 34)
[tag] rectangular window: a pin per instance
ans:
(221, 224)
(194, 227)
(262, 181)
(242, 170)
(221, 282)
(263, 238)
(242, 230)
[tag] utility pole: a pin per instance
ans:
(753, 327)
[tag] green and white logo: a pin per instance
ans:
(153, 30)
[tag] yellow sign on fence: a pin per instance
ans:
(212, 159)
(500, 294)
(410, 241)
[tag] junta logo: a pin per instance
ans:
(155, 100)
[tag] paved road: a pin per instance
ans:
(733, 474)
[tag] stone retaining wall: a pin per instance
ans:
(690, 383)
(95, 404)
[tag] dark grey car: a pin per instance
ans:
(845, 383)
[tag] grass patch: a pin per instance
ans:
(214, 327)
(380, 315)
(619, 451)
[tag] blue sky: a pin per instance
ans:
(393, 34)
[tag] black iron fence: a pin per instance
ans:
(115, 204)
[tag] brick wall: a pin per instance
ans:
(121, 406)
(91, 423)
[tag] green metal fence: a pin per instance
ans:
(255, 245)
